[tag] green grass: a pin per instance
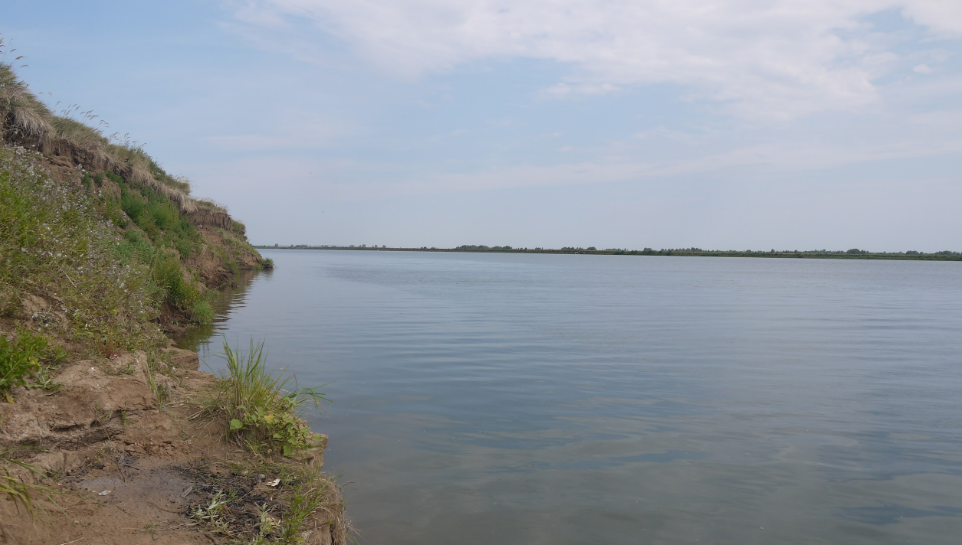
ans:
(23, 356)
(312, 491)
(54, 244)
(260, 413)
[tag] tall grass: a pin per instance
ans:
(260, 413)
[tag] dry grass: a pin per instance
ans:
(19, 491)
(27, 121)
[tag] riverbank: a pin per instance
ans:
(109, 433)
(687, 252)
(111, 463)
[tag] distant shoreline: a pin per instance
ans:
(690, 252)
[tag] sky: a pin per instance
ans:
(722, 124)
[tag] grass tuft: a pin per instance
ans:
(26, 355)
(260, 413)
(20, 492)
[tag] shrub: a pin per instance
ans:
(260, 414)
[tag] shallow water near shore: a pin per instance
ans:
(544, 399)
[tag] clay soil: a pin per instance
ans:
(123, 469)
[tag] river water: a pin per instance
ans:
(546, 399)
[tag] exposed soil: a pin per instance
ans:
(125, 470)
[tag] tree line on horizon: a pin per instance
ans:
(852, 252)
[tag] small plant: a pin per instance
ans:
(17, 491)
(160, 391)
(202, 313)
(212, 515)
(260, 413)
(22, 357)
(312, 492)
(43, 381)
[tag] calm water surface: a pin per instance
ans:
(545, 399)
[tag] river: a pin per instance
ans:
(546, 399)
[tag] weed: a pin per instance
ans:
(22, 357)
(260, 413)
(42, 380)
(212, 515)
(202, 313)
(311, 493)
(53, 244)
(160, 391)
(238, 503)
(20, 492)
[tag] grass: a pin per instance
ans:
(19, 492)
(235, 505)
(260, 413)
(54, 244)
(125, 188)
(25, 355)
(311, 492)
(27, 120)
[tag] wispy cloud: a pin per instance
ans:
(777, 59)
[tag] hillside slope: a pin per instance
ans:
(105, 426)
(191, 245)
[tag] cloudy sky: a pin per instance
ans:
(614, 123)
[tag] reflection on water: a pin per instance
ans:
(484, 398)
(225, 303)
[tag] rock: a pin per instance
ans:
(83, 410)
(50, 462)
(182, 359)
(108, 393)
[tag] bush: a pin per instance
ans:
(260, 414)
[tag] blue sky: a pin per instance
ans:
(718, 123)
